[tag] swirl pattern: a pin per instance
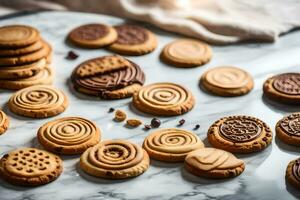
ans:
(288, 83)
(69, 135)
(291, 124)
(296, 169)
(166, 99)
(115, 159)
(4, 122)
(38, 101)
(171, 144)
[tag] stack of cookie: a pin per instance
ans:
(24, 58)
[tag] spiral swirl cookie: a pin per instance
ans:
(288, 129)
(171, 145)
(92, 35)
(293, 173)
(109, 77)
(4, 122)
(227, 81)
(240, 134)
(68, 135)
(38, 101)
(30, 167)
(165, 99)
(133, 40)
(115, 159)
(213, 163)
(186, 53)
(283, 88)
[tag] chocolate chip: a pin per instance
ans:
(111, 110)
(268, 135)
(155, 123)
(72, 55)
(181, 122)
(197, 127)
(265, 139)
(147, 127)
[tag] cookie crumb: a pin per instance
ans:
(197, 127)
(147, 127)
(155, 123)
(133, 122)
(71, 55)
(120, 116)
(181, 122)
(111, 110)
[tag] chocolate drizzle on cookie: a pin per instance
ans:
(291, 124)
(240, 129)
(90, 32)
(132, 35)
(288, 83)
(296, 169)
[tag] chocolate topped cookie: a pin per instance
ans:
(109, 77)
(92, 35)
(133, 40)
(293, 173)
(288, 129)
(240, 134)
(283, 88)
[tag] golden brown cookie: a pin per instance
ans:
(30, 167)
(44, 77)
(4, 122)
(292, 174)
(240, 134)
(39, 101)
(133, 40)
(109, 77)
(165, 99)
(171, 145)
(186, 53)
(22, 71)
(227, 81)
(213, 163)
(283, 88)
(27, 58)
(115, 159)
(22, 50)
(14, 36)
(68, 135)
(288, 129)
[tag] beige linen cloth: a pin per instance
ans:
(214, 21)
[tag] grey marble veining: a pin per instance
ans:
(265, 171)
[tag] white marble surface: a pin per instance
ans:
(265, 171)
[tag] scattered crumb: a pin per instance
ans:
(133, 122)
(120, 116)
(71, 55)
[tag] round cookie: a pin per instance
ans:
(213, 163)
(227, 81)
(292, 174)
(283, 88)
(44, 77)
(22, 71)
(108, 77)
(22, 50)
(30, 167)
(15, 36)
(164, 99)
(171, 145)
(68, 135)
(288, 129)
(39, 101)
(92, 35)
(115, 159)
(4, 122)
(186, 53)
(240, 134)
(133, 40)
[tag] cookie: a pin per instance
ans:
(292, 174)
(26, 58)
(283, 88)
(22, 71)
(240, 134)
(115, 159)
(186, 53)
(22, 50)
(30, 167)
(213, 163)
(68, 135)
(44, 77)
(4, 122)
(164, 99)
(288, 129)
(14, 36)
(93, 35)
(227, 81)
(113, 78)
(39, 101)
(133, 40)
(171, 145)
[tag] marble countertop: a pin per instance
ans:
(264, 177)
